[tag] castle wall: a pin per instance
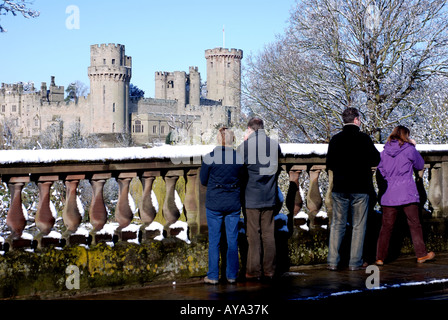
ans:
(177, 105)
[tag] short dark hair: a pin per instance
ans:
(255, 123)
(349, 115)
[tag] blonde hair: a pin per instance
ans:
(226, 137)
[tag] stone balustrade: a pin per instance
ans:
(170, 163)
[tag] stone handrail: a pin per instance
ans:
(44, 167)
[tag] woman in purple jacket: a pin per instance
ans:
(398, 162)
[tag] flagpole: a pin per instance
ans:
(224, 36)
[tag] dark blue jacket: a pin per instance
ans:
(221, 172)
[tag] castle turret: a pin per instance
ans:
(110, 73)
(171, 86)
(195, 87)
(224, 75)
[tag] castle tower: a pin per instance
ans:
(224, 75)
(195, 87)
(171, 86)
(110, 73)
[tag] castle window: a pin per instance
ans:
(228, 64)
(3, 108)
(104, 61)
(170, 84)
(138, 128)
(154, 129)
(36, 122)
(113, 61)
(162, 130)
(113, 107)
(14, 109)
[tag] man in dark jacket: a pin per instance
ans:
(351, 156)
(261, 196)
(222, 171)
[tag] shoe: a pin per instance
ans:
(210, 281)
(332, 267)
(231, 281)
(357, 268)
(379, 262)
(253, 278)
(429, 256)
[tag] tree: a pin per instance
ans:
(17, 7)
(377, 55)
(75, 90)
(135, 92)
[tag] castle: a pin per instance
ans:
(108, 110)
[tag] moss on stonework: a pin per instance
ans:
(43, 273)
(28, 274)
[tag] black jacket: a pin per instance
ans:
(261, 158)
(222, 172)
(351, 156)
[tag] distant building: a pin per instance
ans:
(176, 110)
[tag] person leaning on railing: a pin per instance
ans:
(398, 162)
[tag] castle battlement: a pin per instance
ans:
(234, 53)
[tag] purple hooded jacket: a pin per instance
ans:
(397, 166)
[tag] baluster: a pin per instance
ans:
(71, 215)
(435, 189)
(15, 219)
(147, 211)
(44, 217)
(313, 198)
(294, 201)
(170, 210)
(191, 201)
(123, 212)
(98, 212)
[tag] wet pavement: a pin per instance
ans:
(402, 279)
(404, 289)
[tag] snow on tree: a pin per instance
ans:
(16, 7)
(381, 56)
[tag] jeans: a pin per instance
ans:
(356, 204)
(215, 219)
(389, 217)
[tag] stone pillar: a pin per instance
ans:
(170, 211)
(294, 201)
(123, 212)
(147, 211)
(313, 198)
(44, 217)
(328, 197)
(71, 215)
(98, 212)
(192, 201)
(435, 194)
(15, 219)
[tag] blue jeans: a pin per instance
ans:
(215, 220)
(356, 204)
